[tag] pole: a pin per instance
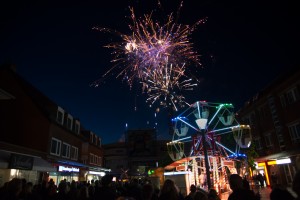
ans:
(206, 159)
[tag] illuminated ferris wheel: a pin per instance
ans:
(205, 123)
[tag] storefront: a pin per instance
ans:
(17, 165)
(67, 173)
(96, 173)
(278, 171)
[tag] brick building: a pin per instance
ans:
(40, 139)
(274, 117)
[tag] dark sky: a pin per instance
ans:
(243, 46)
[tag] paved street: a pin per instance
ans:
(264, 193)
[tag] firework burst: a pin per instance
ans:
(156, 55)
(166, 84)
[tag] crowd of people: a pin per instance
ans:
(106, 189)
(241, 189)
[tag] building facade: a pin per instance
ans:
(273, 115)
(140, 152)
(39, 139)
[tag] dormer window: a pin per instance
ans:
(60, 115)
(69, 122)
(99, 142)
(77, 127)
(91, 137)
(96, 139)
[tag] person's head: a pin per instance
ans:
(84, 192)
(200, 196)
(280, 193)
(14, 186)
(106, 180)
(235, 182)
(63, 187)
(246, 184)
(193, 188)
(147, 191)
(212, 192)
(169, 187)
(28, 187)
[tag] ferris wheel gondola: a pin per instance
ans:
(215, 120)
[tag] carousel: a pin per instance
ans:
(198, 147)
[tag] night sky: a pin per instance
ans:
(243, 46)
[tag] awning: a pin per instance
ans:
(42, 165)
(280, 155)
(98, 169)
(178, 162)
(39, 164)
(69, 163)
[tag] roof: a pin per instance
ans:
(178, 163)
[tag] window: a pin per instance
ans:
(280, 139)
(268, 139)
(99, 142)
(252, 119)
(96, 139)
(65, 150)
(257, 142)
(294, 131)
(69, 122)
(55, 147)
(60, 115)
(74, 153)
(91, 158)
(292, 95)
(263, 110)
(91, 137)
(246, 120)
(96, 159)
(99, 161)
(282, 100)
(77, 127)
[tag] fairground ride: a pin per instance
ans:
(197, 147)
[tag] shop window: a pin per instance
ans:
(294, 131)
(65, 150)
(55, 147)
(74, 153)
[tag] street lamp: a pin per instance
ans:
(202, 122)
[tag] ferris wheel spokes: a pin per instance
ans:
(214, 120)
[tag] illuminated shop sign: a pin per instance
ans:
(67, 169)
(176, 173)
(97, 173)
(279, 162)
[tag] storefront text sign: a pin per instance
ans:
(67, 169)
(20, 162)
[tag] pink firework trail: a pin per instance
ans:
(156, 55)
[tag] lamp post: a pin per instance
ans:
(202, 126)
